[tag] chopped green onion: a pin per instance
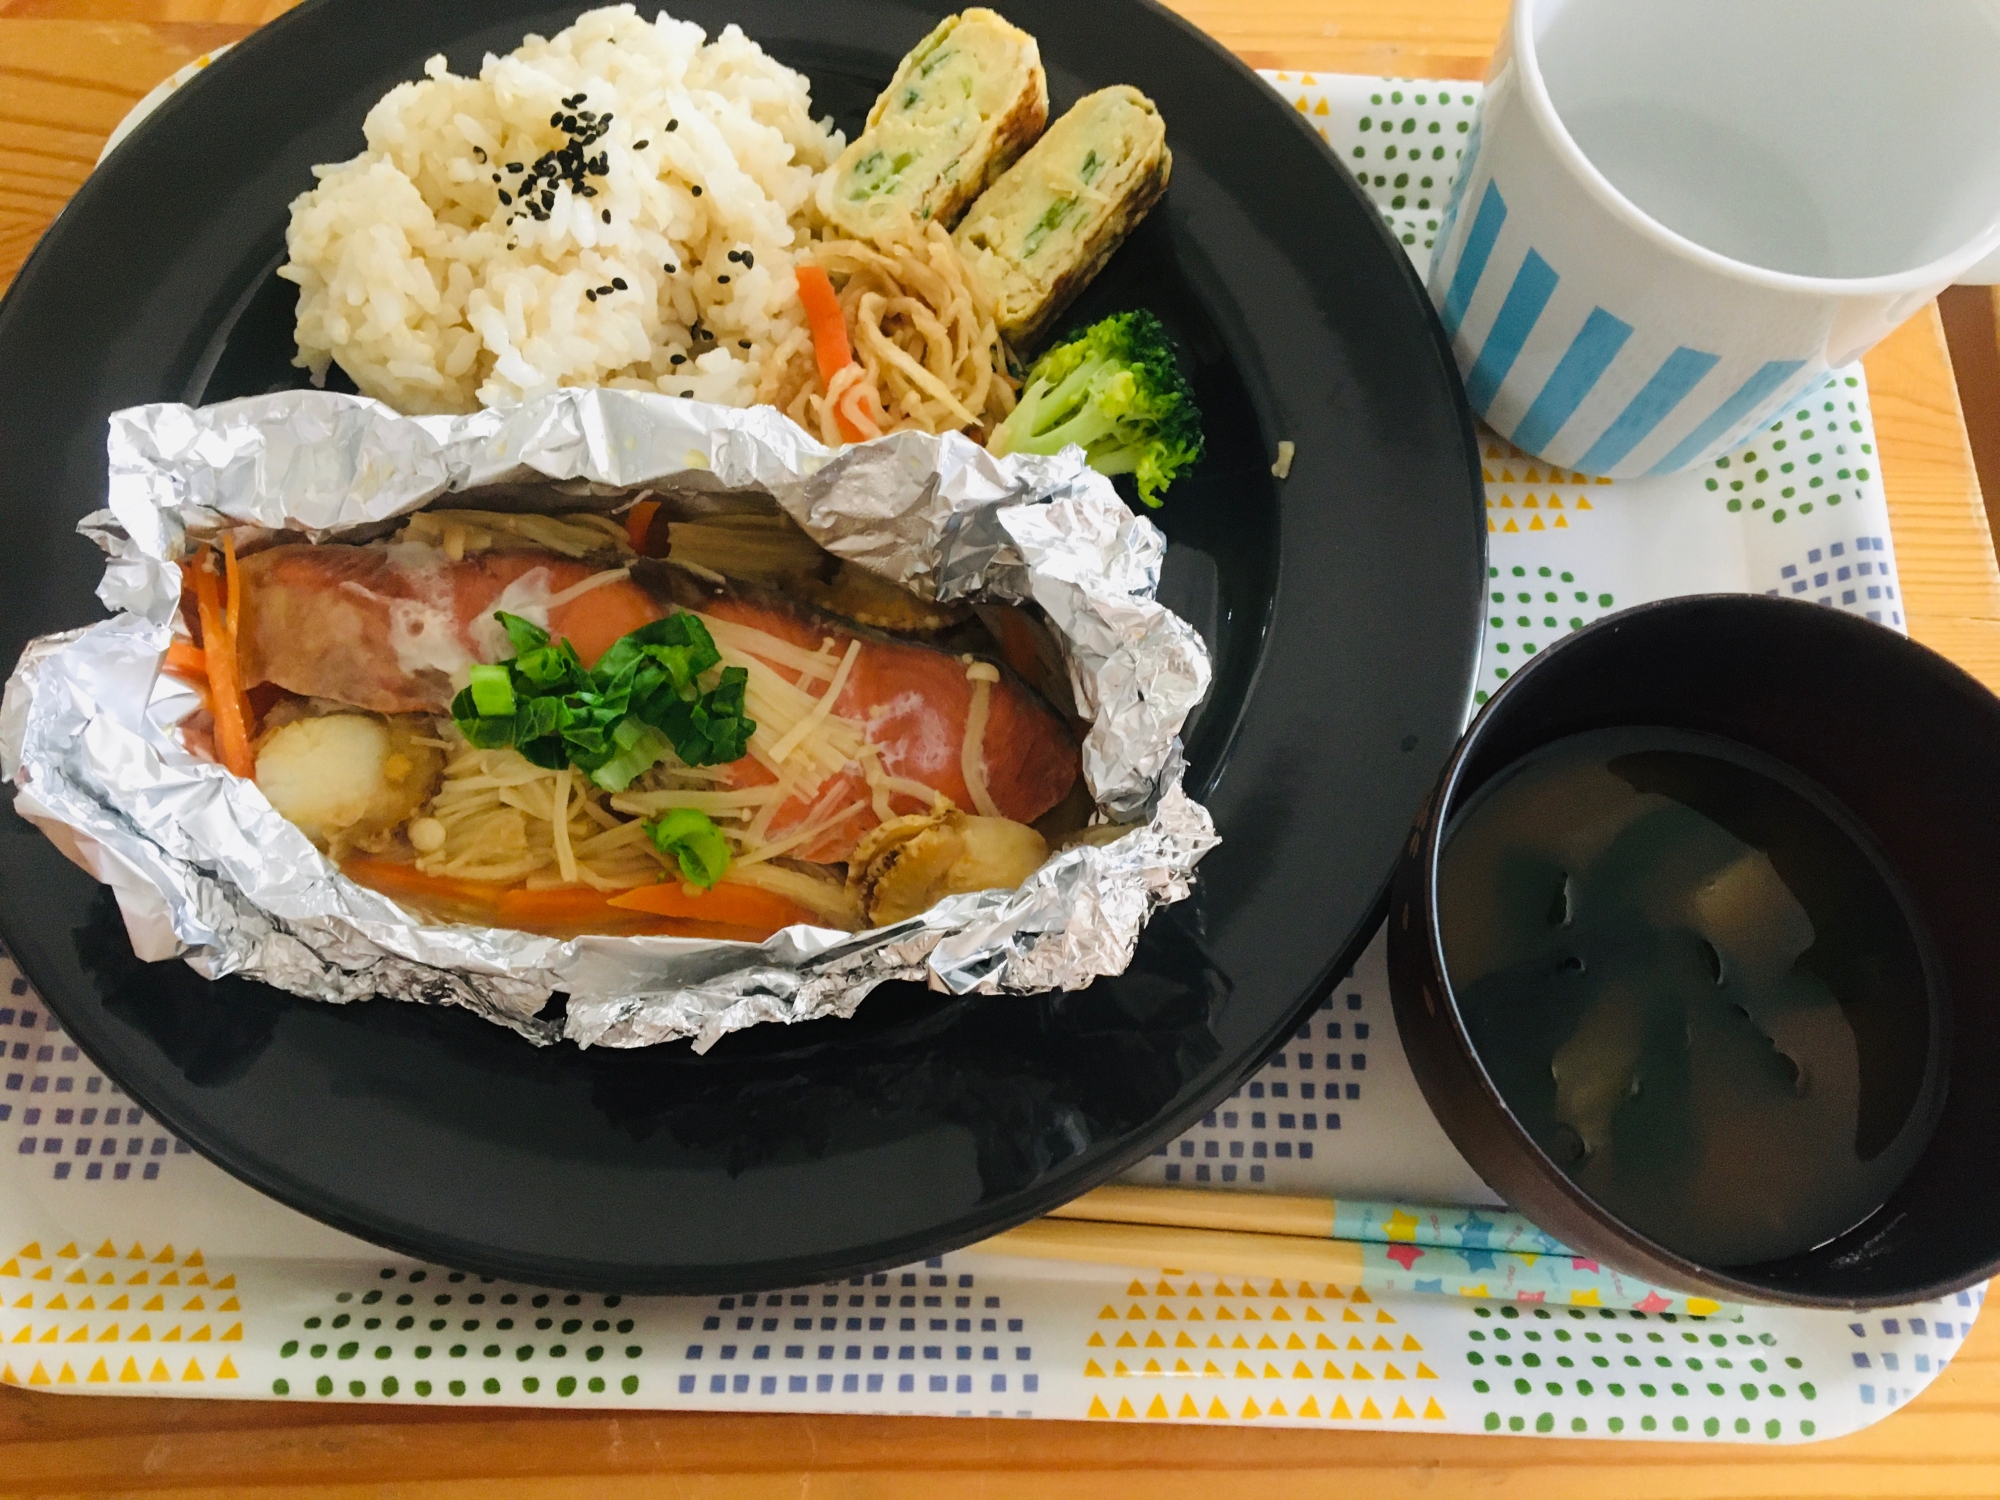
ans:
(656, 691)
(492, 691)
(696, 843)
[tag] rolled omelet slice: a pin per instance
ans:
(1039, 234)
(964, 104)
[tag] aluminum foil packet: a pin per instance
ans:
(205, 869)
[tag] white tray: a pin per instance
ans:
(132, 1265)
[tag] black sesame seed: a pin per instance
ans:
(618, 283)
(736, 255)
(640, 145)
(505, 196)
(514, 166)
(670, 268)
(697, 190)
(677, 359)
(605, 121)
(607, 216)
(556, 118)
(743, 343)
(591, 293)
(722, 281)
(606, 291)
(673, 125)
(749, 260)
(587, 191)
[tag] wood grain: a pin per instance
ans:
(1287, 1257)
(69, 69)
(1193, 1208)
(1951, 584)
(1945, 1444)
(1972, 329)
(63, 86)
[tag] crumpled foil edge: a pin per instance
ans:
(205, 869)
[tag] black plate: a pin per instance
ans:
(1342, 608)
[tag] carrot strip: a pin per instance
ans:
(475, 899)
(639, 523)
(569, 911)
(827, 322)
(226, 700)
(561, 913)
(831, 348)
(728, 902)
(565, 905)
(232, 619)
(564, 912)
(186, 659)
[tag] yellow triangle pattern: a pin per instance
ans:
(115, 1366)
(1169, 1403)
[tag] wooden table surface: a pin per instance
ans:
(69, 69)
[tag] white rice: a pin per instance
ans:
(435, 297)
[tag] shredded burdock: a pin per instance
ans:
(928, 356)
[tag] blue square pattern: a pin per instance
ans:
(1279, 1130)
(102, 1133)
(938, 1378)
(1857, 577)
(1886, 1365)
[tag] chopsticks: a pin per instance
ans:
(1461, 1252)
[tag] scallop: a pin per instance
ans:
(908, 865)
(346, 780)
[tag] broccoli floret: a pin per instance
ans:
(1116, 391)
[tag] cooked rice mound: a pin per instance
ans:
(654, 250)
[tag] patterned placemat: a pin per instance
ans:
(134, 1265)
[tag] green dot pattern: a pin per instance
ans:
(1755, 1410)
(1529, 607)
(1405, 151)
(1814, 457)
(442, 1302)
